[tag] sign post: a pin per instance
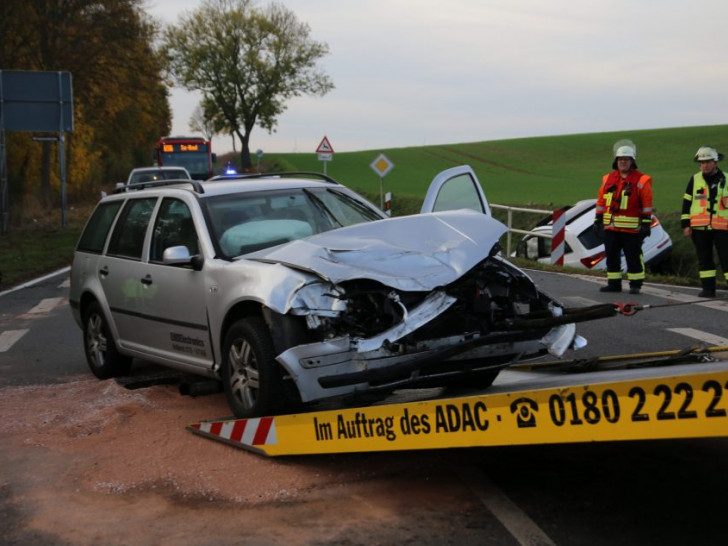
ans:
(381, 165)
(325, 152)
(36, 102)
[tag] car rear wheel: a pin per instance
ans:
(251, 377)
(102, 355)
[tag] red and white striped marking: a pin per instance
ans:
(242, 432)
(557, 240)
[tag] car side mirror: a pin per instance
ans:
(180, 255)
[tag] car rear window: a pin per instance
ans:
(151, 176)
(97, 228)
(589, 239)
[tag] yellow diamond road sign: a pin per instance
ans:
(381, 165)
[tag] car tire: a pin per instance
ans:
(102, 355)
(251, 377)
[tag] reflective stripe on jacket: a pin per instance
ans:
(703, 211)
(624, 203)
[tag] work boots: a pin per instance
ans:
(612, 286)
(708, 290)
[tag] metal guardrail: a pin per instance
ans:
(511, 229)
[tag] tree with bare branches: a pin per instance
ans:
(246, 61)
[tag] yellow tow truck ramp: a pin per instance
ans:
(522, 408)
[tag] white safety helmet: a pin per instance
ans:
(625, 151)
(706, 153)
(625, 148)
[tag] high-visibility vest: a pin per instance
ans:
(624, 202)
(700, 212)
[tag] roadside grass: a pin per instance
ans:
(39, 245)
(541, 172)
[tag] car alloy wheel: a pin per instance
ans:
(250, 375)
(102, 354)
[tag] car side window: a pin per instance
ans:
(97, 228)
(127, 240)
(173, 227)
(459, 193)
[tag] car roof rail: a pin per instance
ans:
(240, 176)
(196, 185)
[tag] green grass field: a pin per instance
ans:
(552, 171)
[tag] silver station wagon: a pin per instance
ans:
(291, 289)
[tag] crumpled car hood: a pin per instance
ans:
(419, 252)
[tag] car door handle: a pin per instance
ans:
(104, 271)
(147, 280)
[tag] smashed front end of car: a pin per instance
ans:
(414, 301)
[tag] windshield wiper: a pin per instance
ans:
(322, 207)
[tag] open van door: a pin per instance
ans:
(456, 188)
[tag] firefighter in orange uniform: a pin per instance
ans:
(705, 217)
(623, 218)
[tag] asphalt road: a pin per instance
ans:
(637, 492)
(51, 350)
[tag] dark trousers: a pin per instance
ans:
(617, 242)
(704, 241)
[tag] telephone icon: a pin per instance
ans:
(525, 410)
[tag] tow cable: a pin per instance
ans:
(626, 361)
(629, 309)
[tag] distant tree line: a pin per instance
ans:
(121, 105)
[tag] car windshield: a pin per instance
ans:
(247, 222)
(158, 174)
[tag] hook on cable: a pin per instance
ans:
(629, 309)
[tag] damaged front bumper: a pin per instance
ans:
(343, 365)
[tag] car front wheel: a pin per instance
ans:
(102, 355)
(251, 377)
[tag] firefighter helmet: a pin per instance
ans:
(625, 151)
(625, 148)
(706, 153)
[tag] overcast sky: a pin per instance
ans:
(423, 72)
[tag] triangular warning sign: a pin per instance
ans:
(325, 147)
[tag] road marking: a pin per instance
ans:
(66, 283)
(36, 281)
(521, 527)
(719, 304)
(9, 337)
(677, 297)
(701, 336)
(45, 305)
